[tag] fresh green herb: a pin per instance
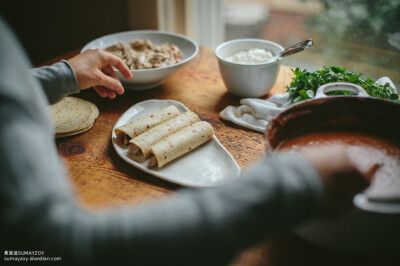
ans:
(340, 92)
(305, 84)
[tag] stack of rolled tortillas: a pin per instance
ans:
(164, 135)
(72, 116)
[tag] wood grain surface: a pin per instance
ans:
(101, 179)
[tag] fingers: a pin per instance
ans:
(90, 65)
(113, 60)
(109, 82)
(338, 196)
(327, 159)
(105, 93)
(341, 179)
(340, 192)
(110, 72)
(102, 91)
(111, 94)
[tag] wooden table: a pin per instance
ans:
(100, 178)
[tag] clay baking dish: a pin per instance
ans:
(369, 115)
(368, 226)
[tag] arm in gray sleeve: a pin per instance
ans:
(193, 227)
(57, 80)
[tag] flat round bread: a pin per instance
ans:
(63, 135)
(73, 115)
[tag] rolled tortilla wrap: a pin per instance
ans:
(141, 145)
(180, 143)
(142, 124)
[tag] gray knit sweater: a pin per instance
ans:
(192, 227)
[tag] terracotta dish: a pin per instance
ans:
(370, 129)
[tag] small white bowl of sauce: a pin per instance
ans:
(249, 67)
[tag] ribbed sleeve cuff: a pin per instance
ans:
(68, 78)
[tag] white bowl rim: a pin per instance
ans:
(196, 47)
(220, 46)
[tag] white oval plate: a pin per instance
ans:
(206, 166)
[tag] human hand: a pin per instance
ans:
(340, 177)
(95, 68)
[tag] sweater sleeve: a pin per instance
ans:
(193, 227)
(57, 80)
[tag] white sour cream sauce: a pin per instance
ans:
(251, 57)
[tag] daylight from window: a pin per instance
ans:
(361, 35)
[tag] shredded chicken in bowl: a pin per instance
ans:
(144, 54)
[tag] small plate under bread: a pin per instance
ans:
(206, 166)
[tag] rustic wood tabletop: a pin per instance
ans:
(101, 179)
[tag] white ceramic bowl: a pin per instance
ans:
(148, 78)
(248, 80)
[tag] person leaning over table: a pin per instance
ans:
(193, 227)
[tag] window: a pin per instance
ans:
(361, 35)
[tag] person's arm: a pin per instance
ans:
(57, 80)
(92, 68)
(194, 227)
